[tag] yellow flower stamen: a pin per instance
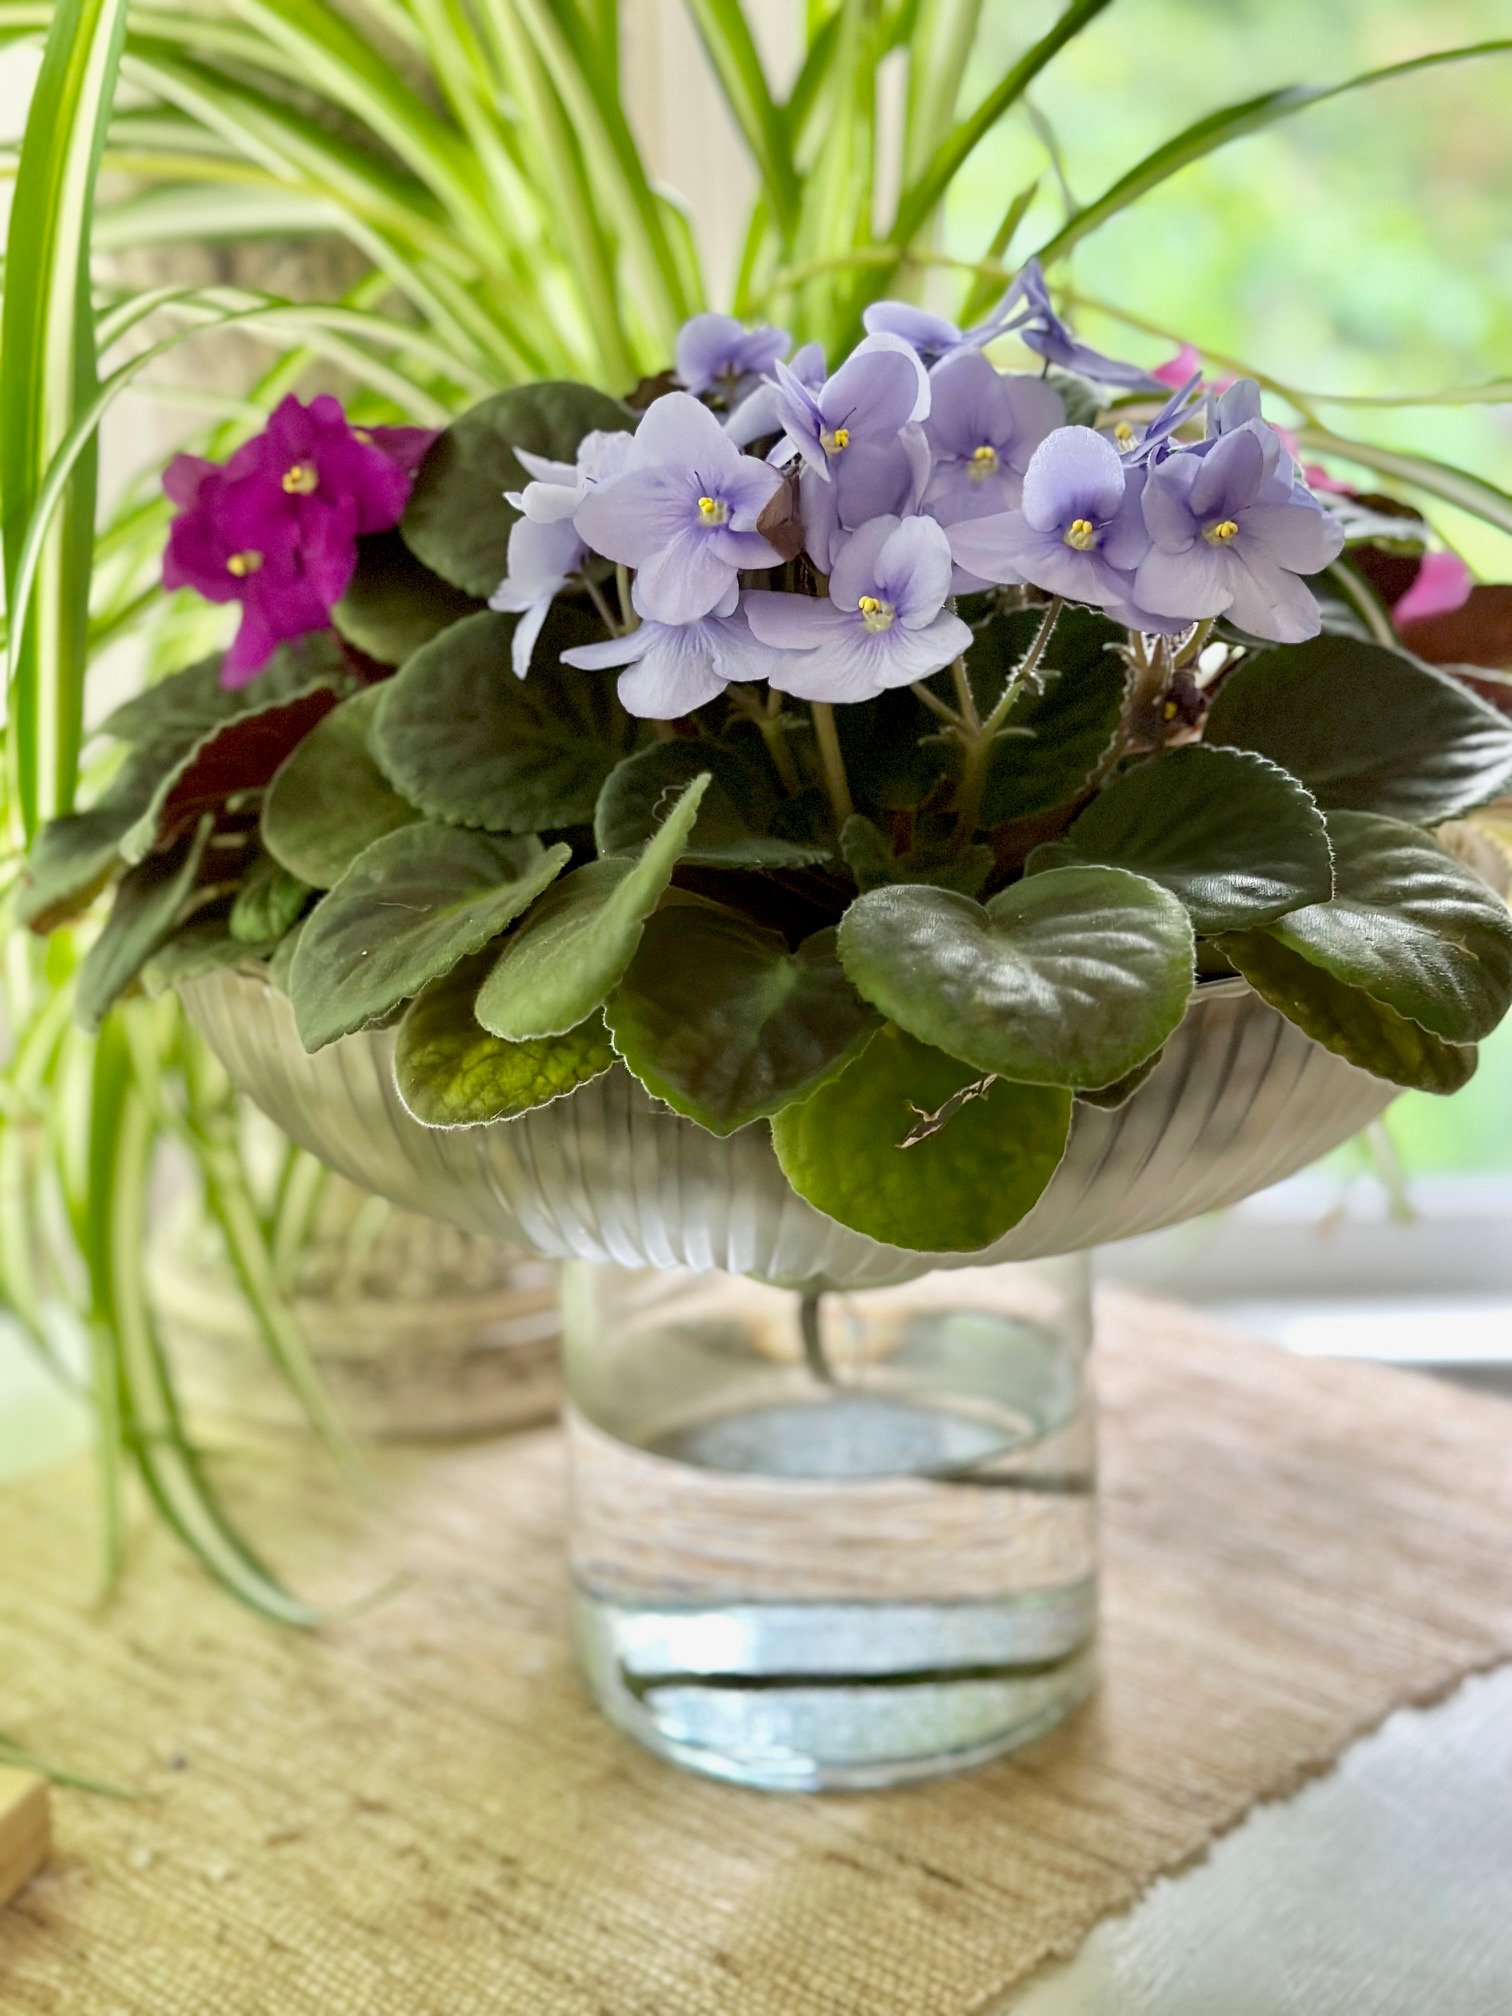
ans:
(243, 564)
(713, 510)
(1123, 434)
(361, 434)
(1221, 533)
(1082, 534)
(300, 481)
(984, 462)
(833, 441)
(875, 613)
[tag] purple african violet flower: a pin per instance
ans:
(1232, 532)
(1079, 531)
(544, 555)
(557, 488)
(715, 353)
(885, 622)
(982, 429)
(757, 414)
(276, 527)
(1153, 441)
(934, 336)
(684, 512)
(675, 667)
(1043, 331)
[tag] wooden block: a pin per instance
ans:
(25, 1829)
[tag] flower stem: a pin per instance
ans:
(1026, 668)
(628, 619)
(936, 705)
(597, 598)
(979, 745)
(835, 780)
(965, 698)
(773, 728)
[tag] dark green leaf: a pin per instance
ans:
(267, 905)
(955, 1192)
(1071, 978)
(1109, 1098)
(451, 1073)
(393, 604)
(1411, 927)
(145, 910)
(737, 809)
(570, 952)
(894, 756)
(1236, 838)
(457, 522)
(69, 863)
(329, 800)
(1367, 729)
(188, 706)
(470, 744)
(1067, 727)
(1083, 402)
(875, 866)
(410, 906)
(205, 946)
(1346, 1020)
(721, 1021)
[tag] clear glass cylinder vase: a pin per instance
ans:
(837, 1541)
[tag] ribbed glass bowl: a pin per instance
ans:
(1240, 1099)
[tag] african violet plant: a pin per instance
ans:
(881, 755)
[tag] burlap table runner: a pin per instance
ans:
(419, 1814)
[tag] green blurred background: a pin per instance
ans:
(1364, 246)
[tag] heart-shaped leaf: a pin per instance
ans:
(146, 908)
(268, 904)
(1239, 841)
(456, 521)
(329, 799)
(1059, 730)
(953, 1192)
(1346, 1020)
(451, 1073)
(470, 744)
(570, 952)
(737, 809)
(393, 604)
(1367, 729)
(1070, 978)
(1411, 927)
(726, 1025)
(407, 910)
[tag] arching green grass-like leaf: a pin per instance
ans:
(1367, 729)
(1070, 978)
(956, 1191)
(726, 1025)
(1237, 839)
(1410, 926)
(452, 1073)
(571, 951)
(328, 799)
(457, 522)
(408, 909)
(470, 744)
(736, 810)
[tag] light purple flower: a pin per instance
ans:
(885, 622)
(934, 336)
(276, 527)
(684, 512)
(675, 667)
(1043, 331)
(715, 353)
(557, 488)
(982, 429)
(1232, 532)
(757, 413)
(1079, 531)
(544, 555)
(1153, 441)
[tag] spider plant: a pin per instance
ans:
(478, 159)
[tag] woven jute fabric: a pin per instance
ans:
(418, 1813)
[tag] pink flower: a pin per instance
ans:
(1180, 368)
(1441, 583)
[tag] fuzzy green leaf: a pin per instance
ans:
(875, 866)
(570, 952)
(1071, 978)
(471, 745)
(205, 946)
(954, 1192)
(1061, 732)
(393, 604)
(457, 522)
(145, 910)
(1237, 839)
(721, 1021)
(407, 910)
(451, 1073)
(328, 800)
(1367, 729)
(738, 807)
(268, 904)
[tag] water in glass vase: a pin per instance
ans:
(836, 1543)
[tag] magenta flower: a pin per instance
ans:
(276, 527)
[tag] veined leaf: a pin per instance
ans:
(328, 799)
(452, 1073)
(737, 808)
(394, 604)
(146, 908)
